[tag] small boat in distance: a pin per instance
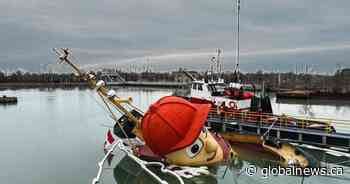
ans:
(8, 100)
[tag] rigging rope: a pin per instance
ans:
(116, 120)
(133, 106)
(268, 130)
(99, 104)
(100, 164)
(143, 164)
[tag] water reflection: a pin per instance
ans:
(313, 108)
(55, 136)
(127, 171)
(337, 103)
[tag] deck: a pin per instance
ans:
(320, 132)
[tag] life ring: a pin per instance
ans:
(232, 105)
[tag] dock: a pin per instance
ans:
(319, 133)
(315, 95)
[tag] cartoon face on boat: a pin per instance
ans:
(174, 129)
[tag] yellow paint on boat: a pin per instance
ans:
(234, 137)
(286, 152)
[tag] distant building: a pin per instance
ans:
(181, 76)
(345, 72)
(111, 75)
(342, 80)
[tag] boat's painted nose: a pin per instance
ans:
(211, 145)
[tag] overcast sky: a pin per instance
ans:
(275, 34)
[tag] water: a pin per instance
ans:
(56, 136)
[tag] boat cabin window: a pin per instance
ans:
(220, 87)
(212, 88)
(194, 86)
(200, 87)
(197, 86)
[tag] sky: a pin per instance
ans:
(276, 35)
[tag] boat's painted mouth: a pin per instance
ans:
(212, 157)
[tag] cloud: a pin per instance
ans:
(116, 31)
(274, 59)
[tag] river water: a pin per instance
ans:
(56, 136)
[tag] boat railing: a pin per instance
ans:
(266, 119)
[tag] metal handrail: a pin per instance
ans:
(281, 120)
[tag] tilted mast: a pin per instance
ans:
(102, 90)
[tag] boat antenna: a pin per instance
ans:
(236, 71)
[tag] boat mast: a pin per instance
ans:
(101, 89)
(218, 64)
(238, 4)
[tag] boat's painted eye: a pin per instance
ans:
(205, 132)
(195, 148)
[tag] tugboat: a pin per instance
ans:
(231, 96)
(232, 100)
(217, 94)
(214, 90)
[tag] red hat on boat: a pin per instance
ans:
(173, 123)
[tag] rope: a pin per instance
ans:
(143, 164)
(116, 108)
(115, 119)
(100, 164)
(106, 126)
(328, 165)
(104, 108)
(137, 109)
(99, 104)
(133, 106)
(268, 130)
(342, 162)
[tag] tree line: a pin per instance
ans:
(340, 81)
(26, 77)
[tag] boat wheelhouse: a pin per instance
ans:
(218, 93)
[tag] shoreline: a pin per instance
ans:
(145, 84)
(4, 86)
